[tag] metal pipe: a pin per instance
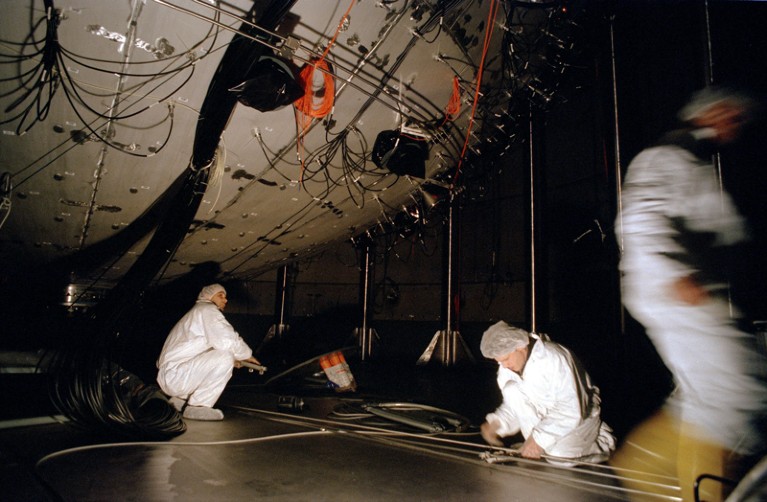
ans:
(282, 291)
(716, 158)
(366, 340)
(448, 347)
(709, 45)
(127, 49)
(618, 168)
(616, 138)
(533, 305)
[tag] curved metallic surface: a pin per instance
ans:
(106, 104)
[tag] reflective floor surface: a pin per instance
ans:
(333, 448)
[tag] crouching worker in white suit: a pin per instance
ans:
(547, 396)
(199, 355)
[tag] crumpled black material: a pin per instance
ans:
(272, 86)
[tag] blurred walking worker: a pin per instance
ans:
(678, 228)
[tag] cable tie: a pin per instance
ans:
(415, 33)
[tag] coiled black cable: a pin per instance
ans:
(96, 394)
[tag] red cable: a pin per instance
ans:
(453, 107)
(491, 15)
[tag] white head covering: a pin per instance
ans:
(500, 339)
(208, 291)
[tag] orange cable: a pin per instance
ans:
(453, 107)
(305, 108)
(491, 15)
(338, 30)
(305, 103)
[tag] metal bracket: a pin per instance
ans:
(289, 48)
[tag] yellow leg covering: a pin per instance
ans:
(647, 459)
(698, 456)
(663, 457)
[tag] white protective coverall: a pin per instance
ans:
(672, 198)
(198, 357)
(554, 401)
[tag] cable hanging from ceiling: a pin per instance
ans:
(309, 55)
(52, 72)
(538, 48)
(306, 109)
(38, 84)
(491, 16)
(351, 164)
(453, 107)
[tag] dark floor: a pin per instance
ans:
(329, 449)
(263, 450)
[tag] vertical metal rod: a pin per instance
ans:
(616, 131)
(453, 331)
(281, 300)
(709, 45)
(618, 167)
(448, 347)
(716, 158)
(709, 63)
(366, 343)
(533, 305)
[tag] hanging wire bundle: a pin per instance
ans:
(38, 84)
(46, 67)
(354, 172)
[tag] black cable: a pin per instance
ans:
(401, 416)
(121, 404)
(53, 65)
(44, 74)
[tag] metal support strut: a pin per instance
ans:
(447, 344)
(282, 303)
(366, 335)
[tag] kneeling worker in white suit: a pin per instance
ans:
(199, 355)
(547, 396)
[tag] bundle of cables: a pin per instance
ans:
(401, 415)
(305, 107)
(39, 83)
(96, 394)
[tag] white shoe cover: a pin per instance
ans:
(203, 413)
(177, 403)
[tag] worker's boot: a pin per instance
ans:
(202, 413)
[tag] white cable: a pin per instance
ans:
(6, 187)
(366, 430)
(217, 172)
(5, 205)
(174, 443)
